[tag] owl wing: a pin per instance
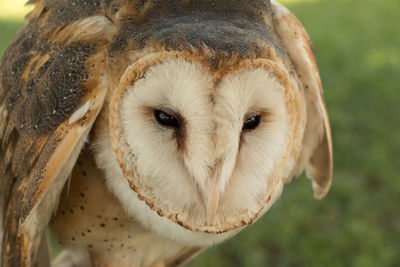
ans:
(53, 83)
(316, 154)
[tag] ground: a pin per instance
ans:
(358, 224)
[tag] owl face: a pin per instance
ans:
(203, 149)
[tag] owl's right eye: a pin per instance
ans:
(166, 119)
(251, 123)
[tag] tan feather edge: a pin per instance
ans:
(73, 137)
(299, 48)
(73, 140)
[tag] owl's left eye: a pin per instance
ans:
(166, 119)
(251, 123)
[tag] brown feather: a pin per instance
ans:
(42, 84)
(316, 156)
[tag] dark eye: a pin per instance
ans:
(251, 123)
(165, 119)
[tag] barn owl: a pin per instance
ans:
(143, 131)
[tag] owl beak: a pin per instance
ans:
(212, 201)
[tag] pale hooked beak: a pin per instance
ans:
(212, 200)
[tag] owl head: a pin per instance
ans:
(197, 151)
(210, 117)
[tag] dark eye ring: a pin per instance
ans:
(166, 119)
(251, 123)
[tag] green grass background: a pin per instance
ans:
(358, 223)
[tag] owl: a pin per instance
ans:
(142, 132)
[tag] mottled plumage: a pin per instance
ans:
(123, 59)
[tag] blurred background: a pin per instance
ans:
(358, 224)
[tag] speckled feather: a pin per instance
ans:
(70, 53)
(42, 83)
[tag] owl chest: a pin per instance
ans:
(90, 218)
